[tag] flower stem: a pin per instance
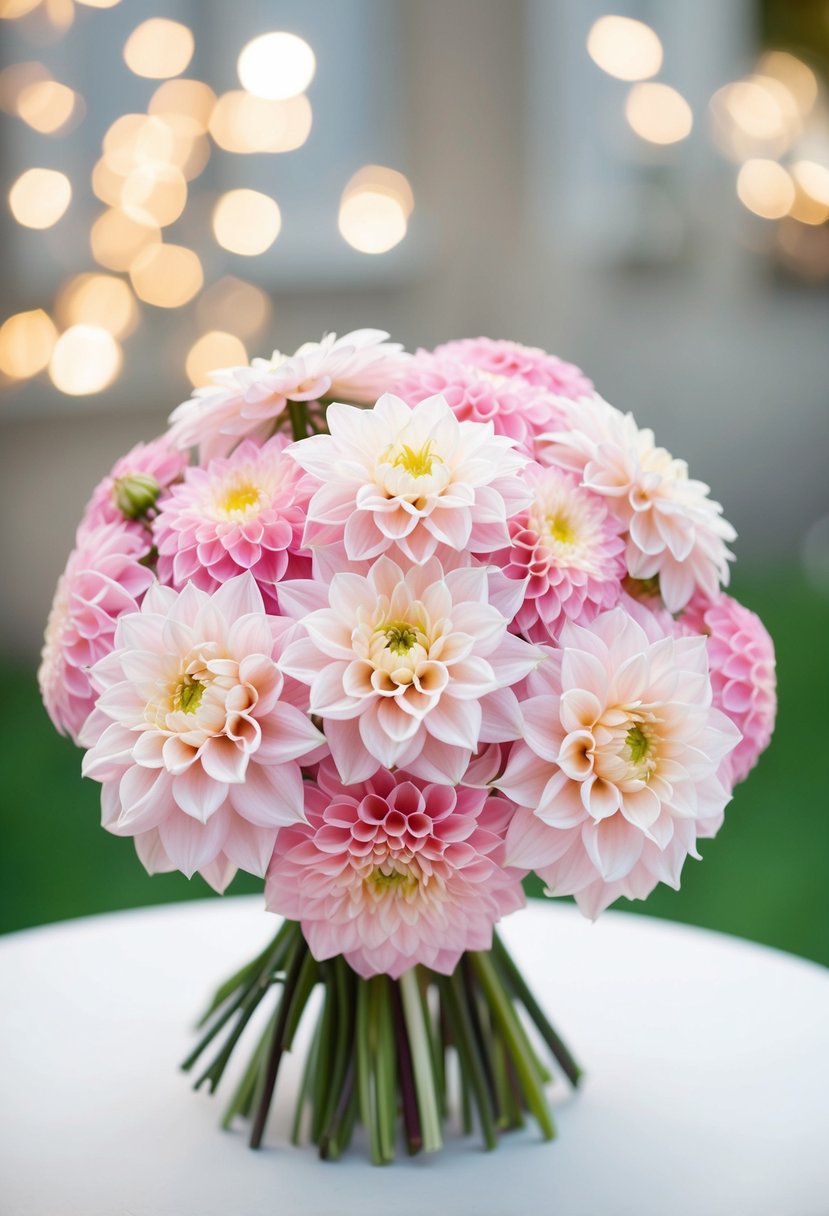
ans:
(298, 414)
(422, 1062)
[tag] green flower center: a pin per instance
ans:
(560, 529)
(637, 744)
(188, 694)
(382, 881)
(400, 637)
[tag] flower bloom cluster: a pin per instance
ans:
(391, 630)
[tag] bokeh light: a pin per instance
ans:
(246, 222)
(792, 72)
(625, 48)
(16, 78)
(154, 194)
(245, 124)
(158, 48)
(26, 343)
(765, 188)
(98, 299)
(167, 276)
(813, 179)
(187, 104)
(232, 305)
(47, 105)
(276, 66)
(212, 351)
(98, 3)
(10, 10)
(39, 197)
(116, 239)
(658, 113)
(86, 359)
(374, 209)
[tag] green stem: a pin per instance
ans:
(422, 1062)
(516, 981)
(527, 1066)
(467, 1048)
(298, 414)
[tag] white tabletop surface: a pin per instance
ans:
(707, 1090)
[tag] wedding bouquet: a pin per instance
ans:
(391, 631)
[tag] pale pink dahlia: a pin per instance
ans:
(394, 872)
(501, 357)
(410, 669)
(514, 407)
(409, 480)
(192, 736)
(675, 531)
(132, 490)
(242, 512)
(618, 766)
(741, 658)
(250, 400)
(103, 578)
(567, 547)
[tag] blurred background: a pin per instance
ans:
(642, 188)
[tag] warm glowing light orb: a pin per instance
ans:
(242, 123)
(276, 66)
(98, 299)
(154, 194)
(46, 105)
(26, 343)
(39, 197)
(212, 351)
(86, 359)
(658, 113)
(117, 239)
(246, 222)
(184, 103)
(167, 276)
(158, 48)
(371, 220)
(813, 178)
(765, 188)
(625, 48)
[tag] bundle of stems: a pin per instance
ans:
(380, 1048)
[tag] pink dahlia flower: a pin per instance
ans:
(514, 407)
(618, 766)
(568, 549)
(675, 531)
(250, 400)
(504, 358)
(394, 872)
(131, 491)
(741, 657)
(410, 669)
(410, 480)
(103, 579)
(193, 736)
(243, 512)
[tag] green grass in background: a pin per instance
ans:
(764, 877)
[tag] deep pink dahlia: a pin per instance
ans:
(530, 363)
(568, 548)
(245, 511)
(103, 578)
(741, 656)
(138, 478)
(394, 872)
(515, 407)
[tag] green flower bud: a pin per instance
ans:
(135, 494)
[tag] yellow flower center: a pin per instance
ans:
(417, 462)
(559, 528)
(240, 498)
(387, 879)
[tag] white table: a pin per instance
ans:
(707, 1090)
